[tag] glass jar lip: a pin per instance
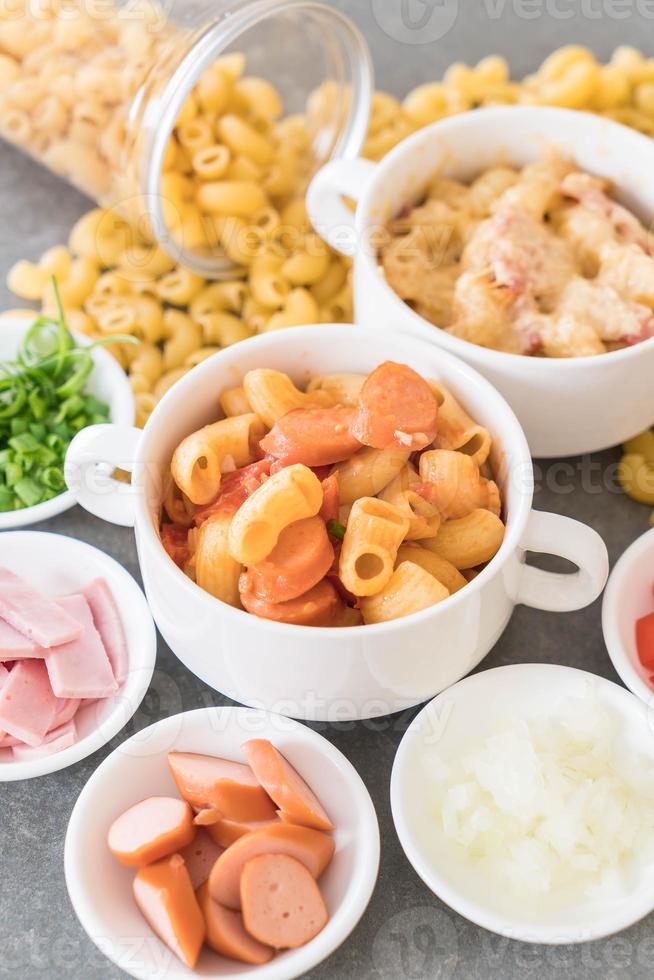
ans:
(206, 49)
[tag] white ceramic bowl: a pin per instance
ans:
(629, 596)
(100, 888)
(319, 673)
(470, 710)
(107, 382)
(561, 403)
(58, 565)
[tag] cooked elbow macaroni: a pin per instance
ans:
(254, 509)
(542, 261)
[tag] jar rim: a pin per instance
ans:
(204, 52)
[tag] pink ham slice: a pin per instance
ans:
(67, 709)
(27, 702)
(56, 740)
(108, 624)
(7, 741)
(16, 646)
(80, 668)
(33, 614)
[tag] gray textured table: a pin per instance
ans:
(406, 932)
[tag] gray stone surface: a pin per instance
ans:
(406, 932)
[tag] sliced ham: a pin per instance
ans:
(33, 614)
(80, 668)
(150, 830)
(107, 621)
(165, 897)
(8, 741)
(17, 646)
(231, 787)
(66, 710)
(27, 703)
(57, 739)
(226, 933)
(311, 848)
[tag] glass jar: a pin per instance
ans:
(148, 111)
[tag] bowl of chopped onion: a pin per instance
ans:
(522, 796)
(53, 383)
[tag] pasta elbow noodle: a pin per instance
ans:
(468, 541)
(409, 590)
(455, 484)
(289, 495)
(374, 533)
(215, 569)
(367, 472)
(201, 458)
(435, 564)
(272, 394)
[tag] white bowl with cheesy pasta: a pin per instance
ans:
(583, 392)
(334, 672)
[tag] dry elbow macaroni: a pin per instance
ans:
(261, 530)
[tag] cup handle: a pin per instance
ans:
(91, 459)
(553, 534)
(329, 214)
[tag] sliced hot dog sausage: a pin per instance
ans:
(282, 904)
(396, 409)
(205, 780)
(313, 436)
(226, 933)
(320, 606)
(165, 897)
(200, 856)
(310, 847)
(301, 558)
(285, 786)
(330, 498)
(150, 830)
(225, 832)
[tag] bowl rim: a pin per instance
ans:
(475, 911)
(451, 125)
(117, 718)
(125, 415)
(299, 337)
(621, 661)
(365, 863)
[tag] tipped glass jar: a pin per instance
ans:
(198, 123)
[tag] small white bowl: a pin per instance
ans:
(470, 710)
(629, 596)
(100, 888)
(107, 382)
(58, 565)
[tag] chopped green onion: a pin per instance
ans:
(28, 491)
(43, 403)
(336, 529)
